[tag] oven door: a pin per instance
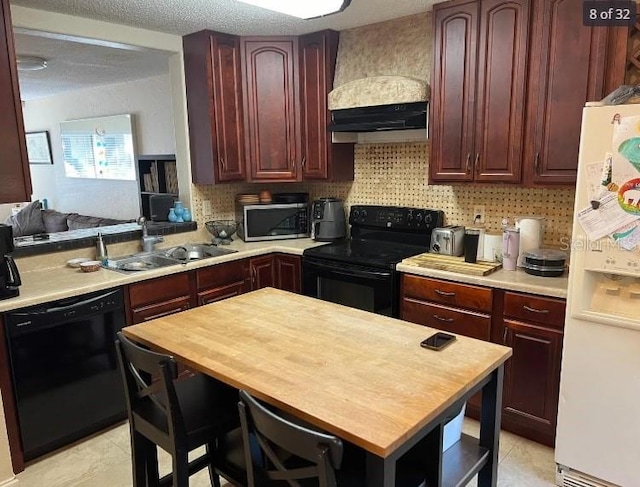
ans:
(367, 288)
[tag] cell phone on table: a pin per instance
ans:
(437, 341)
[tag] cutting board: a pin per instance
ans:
(452, 264)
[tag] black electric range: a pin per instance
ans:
(360, 271)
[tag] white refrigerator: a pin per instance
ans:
(598, 433)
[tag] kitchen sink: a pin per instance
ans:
(180, 254)
(189, 252)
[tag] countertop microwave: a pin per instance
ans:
(277, 221)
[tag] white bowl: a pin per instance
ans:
(75, 263)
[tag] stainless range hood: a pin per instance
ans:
(380, 103)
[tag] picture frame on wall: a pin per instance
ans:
(39, 147)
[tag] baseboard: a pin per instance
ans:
(9, 483)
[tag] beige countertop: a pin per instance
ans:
(48, 278)
(517, 280)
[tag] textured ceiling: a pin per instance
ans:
(186, 16)
(75, 65)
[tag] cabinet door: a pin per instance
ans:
(453, 84)
(502, 63)
(271, 102)
(321, 160)
(288, 272)
(569, 69)
(227, 103)
(532, 380)
(214, 104)
(14, 166)
(263, 272)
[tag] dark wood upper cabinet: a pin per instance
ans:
(502, 63)
(272, 132)
(453, 85)
(214, 102)
(509, 80)
(571, 64)
(320, 159)
(480, 56)
(14, 164)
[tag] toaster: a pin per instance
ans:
(448, 240)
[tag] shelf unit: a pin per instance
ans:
(157, 174)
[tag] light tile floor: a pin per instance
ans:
(103, 461)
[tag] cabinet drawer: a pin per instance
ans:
(159, 310)
(538, 309)
(474, 325)
(220, 293)
(450, 293)
(222, 274)
(159, 290)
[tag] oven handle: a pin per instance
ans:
(350, 270)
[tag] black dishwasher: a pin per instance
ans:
(64, 368)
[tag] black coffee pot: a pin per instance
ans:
(9, 275)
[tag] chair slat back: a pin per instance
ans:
(139, 366)
(279, 439)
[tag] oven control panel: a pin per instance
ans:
(394, 217)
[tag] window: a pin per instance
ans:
(99, 148)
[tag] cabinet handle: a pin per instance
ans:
(223, 163)
(536, 164)
(504, 335)
(304, 161)
(444, 293)
(254, 278)
(476, 163)
(440, 318)
(468, 161)
(533, 310)
(293, 164)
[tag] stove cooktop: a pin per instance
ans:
(382, 236)
(370, 253)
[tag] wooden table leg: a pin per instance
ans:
(491, 415)
(381, 472)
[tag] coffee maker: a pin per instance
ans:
(328, 222)
(9, 275)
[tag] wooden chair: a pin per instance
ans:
(178, 416)
(297, 455)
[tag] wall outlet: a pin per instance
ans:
(478, 214)
(206, 208)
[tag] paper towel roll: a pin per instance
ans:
(492, 248)
(530, 235)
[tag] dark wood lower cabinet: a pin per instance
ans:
(263, 272)
(289, 273)
(532, 381)
(531, 325)
(160, 297)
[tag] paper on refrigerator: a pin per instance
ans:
(607, 219)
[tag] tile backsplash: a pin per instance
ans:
(396, 174)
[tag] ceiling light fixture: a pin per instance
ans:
(30, 63)
(303, 10)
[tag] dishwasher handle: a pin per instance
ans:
(58, 313)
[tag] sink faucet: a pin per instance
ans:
(148, 241)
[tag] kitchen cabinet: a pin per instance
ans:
(570, 65)
(321, 160)
(276, 270)
(531, 325)
(288, 273)
(533, 328)
(222, 281)
(159, 297)
(478, 90)
(509, 82)
(14, 169)
(270, 86)
(215, 107)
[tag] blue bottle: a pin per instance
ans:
(172, 215)
(186, 215)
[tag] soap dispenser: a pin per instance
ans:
(101, 250)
